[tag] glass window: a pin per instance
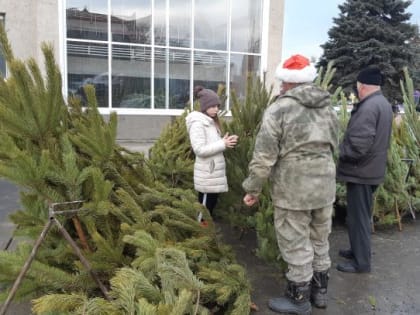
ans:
(87, 19)
(179, 78)
(131, 21)
(246, 25)
(172, 77)
(160, 22)
(242, 66)
(131, 73)
(210, 69)
(124, 78)
(160, 77)
(88, 64)
(180, 23)
(2, 61)
(211, 24)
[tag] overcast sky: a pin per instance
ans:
(307, 22)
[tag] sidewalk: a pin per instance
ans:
(393, 286)
(9, 202)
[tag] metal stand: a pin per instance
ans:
(9, 242)
(52, 210)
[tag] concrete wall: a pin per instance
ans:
(276, 17)
(138, 132)
(28, 24)
(146, 128)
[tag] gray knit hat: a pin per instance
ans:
(207, 98)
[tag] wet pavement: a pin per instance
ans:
(392, 288)
(9, 203)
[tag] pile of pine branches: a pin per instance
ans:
(139, 233)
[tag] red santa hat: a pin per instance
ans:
(296, 69)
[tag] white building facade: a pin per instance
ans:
(145, 57)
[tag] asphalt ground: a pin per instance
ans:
(392, 287)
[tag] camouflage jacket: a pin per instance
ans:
(294, 148)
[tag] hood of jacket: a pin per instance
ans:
(196, 116)
(309, 95)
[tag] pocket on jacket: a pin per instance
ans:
(212, 165)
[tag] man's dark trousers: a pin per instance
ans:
(359, 215)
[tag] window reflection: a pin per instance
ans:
(160, 77)
(246, 25)
(211, 21)
(179, 78)
(131, 21)
(88, 64)
(210, 69)
(180, 23)
(131, 71)
(160, 22)
(87, 19)
(241, 67)
(129, 81)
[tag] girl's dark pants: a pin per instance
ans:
(211, 200)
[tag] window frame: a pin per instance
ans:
(3, 70)
(262, 55)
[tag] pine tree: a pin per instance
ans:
(139, 234)
(246, 118)
(415, 69)
(172, 156)
(409, 138)
(392, 196)
(370, 32)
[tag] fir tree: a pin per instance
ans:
(370, 32)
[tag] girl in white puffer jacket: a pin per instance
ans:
(208, 145)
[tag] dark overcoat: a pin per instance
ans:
(363, 151)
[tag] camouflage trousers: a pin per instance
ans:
(302, 237)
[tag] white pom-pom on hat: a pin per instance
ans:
(296, 69)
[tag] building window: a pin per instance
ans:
(2, 61)
(149, 54)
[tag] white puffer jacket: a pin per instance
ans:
(208, 146)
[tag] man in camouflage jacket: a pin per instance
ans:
(294, 149)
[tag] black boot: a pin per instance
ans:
(319, 286)
(346, 253)
(295, 301)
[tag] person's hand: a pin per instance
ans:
(250, 200)
(230, 141)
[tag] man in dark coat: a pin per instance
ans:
(362, 164)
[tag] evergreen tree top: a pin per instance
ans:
(376, 32)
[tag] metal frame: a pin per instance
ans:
(52, 212)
